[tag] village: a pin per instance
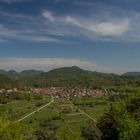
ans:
(60, 92)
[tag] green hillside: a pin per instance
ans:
(68, 77)
(7, 82)
(75, 76)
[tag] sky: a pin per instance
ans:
(97, 35)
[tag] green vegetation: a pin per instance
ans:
(61, 113)
(25, 115)
(120, 122)
(12, 131)
(75, 77)
(116, 117)
(7, 82)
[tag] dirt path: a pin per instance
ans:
(87, 114)
(74, 114)
(83, 112)
(52, 100)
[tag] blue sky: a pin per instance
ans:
(98, 35)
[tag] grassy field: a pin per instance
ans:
(65, 113)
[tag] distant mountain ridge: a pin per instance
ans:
(33, 72)
(17, 75)
(131, 74)
(30, 73)
(70, 77)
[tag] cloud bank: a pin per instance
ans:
(47, 64)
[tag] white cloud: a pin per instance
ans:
(71, 20)
(104, 27)
(47, 64)
(111, 27)
(49, 15)
(56, 29)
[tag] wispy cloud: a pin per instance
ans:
(11, 1)
(24, 35)
(104, 27)
(49, 15)
(111, 27)
(53, 28)
(15, 15)
(32, 29)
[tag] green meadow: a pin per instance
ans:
(65, 113)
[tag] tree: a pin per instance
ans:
(90, 132)
(129, 129)
(47, 130)
(133, 107)
(108, 125)
(119, 122)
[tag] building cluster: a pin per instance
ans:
(60, 92)
(13, 90)
(49, 91)
(85, 92)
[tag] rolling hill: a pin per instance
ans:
(75, 76)
(7, 82)
(68, 77)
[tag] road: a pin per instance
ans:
(52, 100)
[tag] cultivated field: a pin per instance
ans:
(69, 115)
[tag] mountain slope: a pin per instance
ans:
(75, 76)
(7, 82)
(65, 77)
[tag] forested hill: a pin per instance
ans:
(68, 76)
(75, 76)
(7, 82)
